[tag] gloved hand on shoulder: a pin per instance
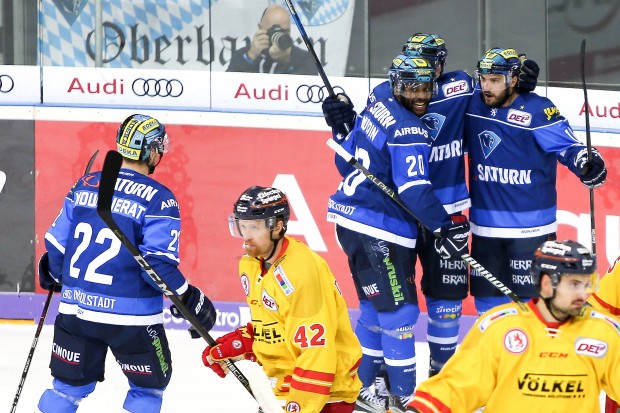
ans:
(199, 305)
(592, 173)
(46, 279)
(452, 241)
(236, 345)
(528, 75)
(338, 111)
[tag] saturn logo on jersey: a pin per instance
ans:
(591, 347)
(519, 117)
(516, 341)
(489, 141)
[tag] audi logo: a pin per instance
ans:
(157, 87)
(314, 93)
(6, 83)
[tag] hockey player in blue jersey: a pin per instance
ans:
(378, 236)
(515, 141)
(444, 280)
(108, 301)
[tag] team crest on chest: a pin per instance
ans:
(283, 281)
(245, 283)
(516, 341)
(433, 122)
(488, 141)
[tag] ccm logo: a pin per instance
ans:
(591, 347)
(519, 117)
(455, 88)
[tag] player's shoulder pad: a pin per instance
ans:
(534, 110)
(494, 315)
(607, 318)
(455, 83)
(296, 266)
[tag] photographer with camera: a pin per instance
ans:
(272, 49)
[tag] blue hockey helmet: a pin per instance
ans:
(138, 134)
(556, 258)
(498, 61)
(408, 71)
(429, 46)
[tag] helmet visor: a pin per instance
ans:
(579, 283)
(249, 228)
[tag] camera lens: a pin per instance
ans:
(279, 36)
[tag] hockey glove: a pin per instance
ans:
(198, 304)
(47, 280)
(338, 111)
(452, 241)
(528, 75)
(235, 345)
(593, 173)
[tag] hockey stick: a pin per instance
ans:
(111, 168)
(588, 142)
(394, 196)
(46, 306)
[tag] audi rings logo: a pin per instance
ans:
(6, 83)
(157, 87)
(314, 93)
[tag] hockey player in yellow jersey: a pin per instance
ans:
(608, 297)
(300, 330)
(552, 354)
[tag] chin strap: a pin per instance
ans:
(548, 305)
(152, 167)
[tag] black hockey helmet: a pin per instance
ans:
(557, 258)
(259, 202)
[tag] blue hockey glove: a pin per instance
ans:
(47, 280)
(528, 75)
(338, 111)
(198, 304)
(452, 241)
(593, 173)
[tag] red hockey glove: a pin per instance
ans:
(236, 344)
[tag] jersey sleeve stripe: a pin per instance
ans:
(52, 240)
(609, 307)
(425, 402)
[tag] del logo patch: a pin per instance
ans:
(590, 347)
(516, 341)
(519, 117)
(268, 301)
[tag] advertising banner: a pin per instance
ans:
(184, 34)
(20, 85)
(208, 167)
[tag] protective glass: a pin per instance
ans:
(410, 88)
(163, 144)
(249, 228)
(578, 283)
(507, 79)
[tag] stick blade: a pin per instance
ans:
(109, 174)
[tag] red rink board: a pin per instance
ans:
(208, 167)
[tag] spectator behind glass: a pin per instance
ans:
(272, 49)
